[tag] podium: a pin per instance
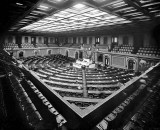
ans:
(86, 62)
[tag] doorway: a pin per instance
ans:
(131, 64)
(76, 55)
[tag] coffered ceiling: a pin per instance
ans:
(71, 16)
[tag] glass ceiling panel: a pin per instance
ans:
(79, 16)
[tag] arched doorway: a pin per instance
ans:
(21, 54)
(131, 64)
(100, 58)
(67, 53)
(76, 55)
(80, 54)
(107, 60)
(49, 52)
(36, 52)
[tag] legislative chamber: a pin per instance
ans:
(80, 65)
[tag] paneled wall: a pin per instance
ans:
(118, 61)
(115, 60)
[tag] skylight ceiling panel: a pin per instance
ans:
(31, 26)
(109, 23)
(49, 18)
(59, 22)
(90, 24)
(124, 21)
(102, 17)
(93, 20)
(67, 20)
(79, 17)
(69, 24)
(35, 29)
(110, 17)
(108, 20)
(100, 22)
(79, 11)
(79, 21)
(94, 13)
(28, 27)
(43, 21)
(118, 20)
(106, 17)
(65, 14)
(47, 29)
(36, 23)
(56, 17)
(41, 27)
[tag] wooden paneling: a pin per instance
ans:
(118, 61)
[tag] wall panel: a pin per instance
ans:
(118, 61)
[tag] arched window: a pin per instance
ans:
(97, 40)
(114, 39)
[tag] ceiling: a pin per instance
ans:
(72, 16)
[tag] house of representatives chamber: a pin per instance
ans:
(80, 65)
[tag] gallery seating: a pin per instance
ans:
(149, 51)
